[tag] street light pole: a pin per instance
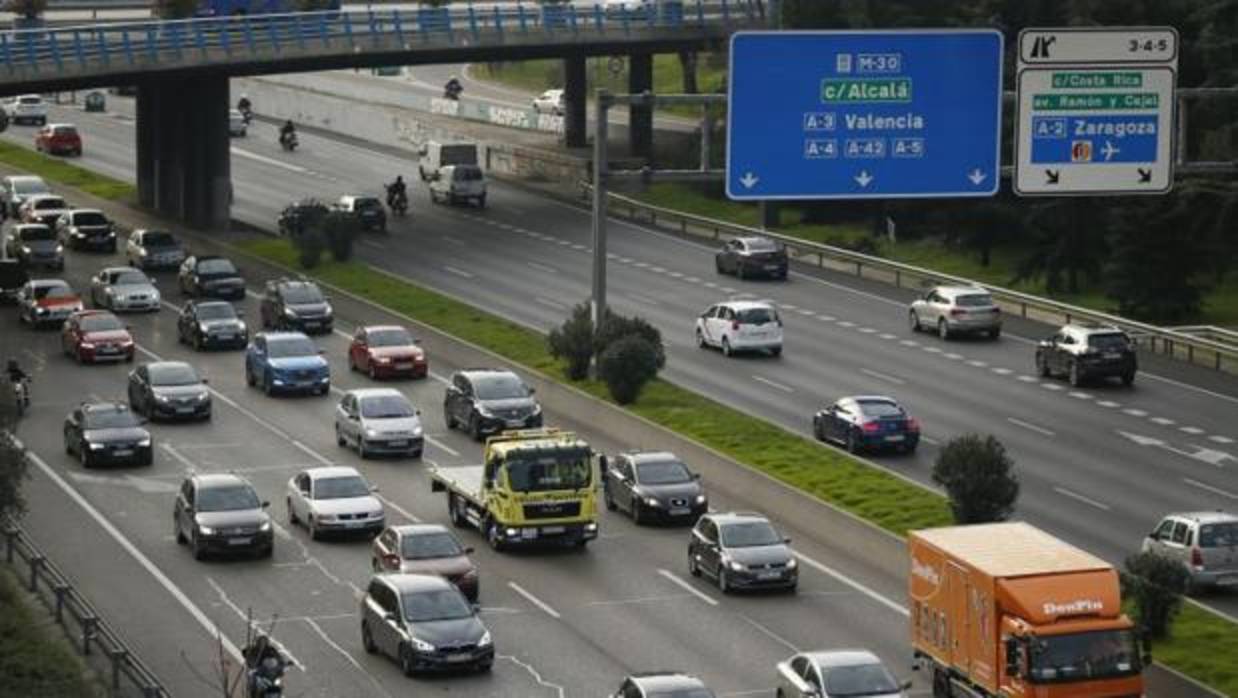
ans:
(600, 167)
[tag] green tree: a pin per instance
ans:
(626, 366)
(615, 327)
(573, 341)
(979, 479)
(1067, 243)
(310, 245)
(1155, 584)
(340, 229)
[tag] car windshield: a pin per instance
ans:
(158, 239)
(173, 374)
(36, 232)
(216, 267)
(340, 487)
(302, 293)
(291, 346)
(467, 173)
(762, 245)
(49, 204)
(101, 323)
(1084, 656)
(216, 311)
(109, 419)
(667, 472)
(130, 278)
(529, 473)
(64, 131)
(859, 680)
(879, 408)
(228, 498)
(57, 291)
(89, 218)
(756, 316)
(367, 204)
(1218, 535)
(973, 300)
(27, 187)
(390, 338)
(500, 387)
(386, 407)
(1111, 341)
(438, 604)
(428, 546)
(749, 534)
(29, 100)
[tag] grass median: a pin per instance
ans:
(56, 171)
(33, 660)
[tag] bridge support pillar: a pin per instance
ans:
(575, 99)
(184, 160)
(640, 117)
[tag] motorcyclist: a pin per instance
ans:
(453, 88)
(16, 374)
(266, 665)
(243, 105)
(397, 190)
(287, 132)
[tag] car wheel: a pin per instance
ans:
(817, 433)
(313, 528)
(914, 320)
(492, 535)
(198, 343)
(268, 384)
(199, 552)
(1073, 375)
(775, 351)
(1128, 378)
(249, 377)
(726, 347)
(700, 340)
(450, 420)
(339, 437)
(739, 271)
(995, 333)
(1042, 366)
(481, 201)
(609, 499)
(943, 330)
(718, 265)
(292, 515)
(83, 455)
(724, 584)
(362, 449)
(373, 372)
(456, 512)
(475, 428)
(693, 568)
(406, 661)
(176, 530)
(853, 444)
(639, 517)
(367, 640)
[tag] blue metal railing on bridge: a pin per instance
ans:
(117, 46)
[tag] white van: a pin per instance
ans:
(439, 155)
(29, 109)
(459, 183)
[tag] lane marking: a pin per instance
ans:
(269, 161)
(1108, 403)
(1001, 371)
(638, 600)
(977, 364)
(457, 272)
(189, 465)
(442, 446)
(168, 585)
(883, 376)
(826, 318)
(870, 593)
(451, 241)
(1081, 498)
(1163, 421)
(954, 357)
(684, 584)
(869, 330)
(771, 634)
(1191, 430)
(227, 601)
(1029, 427)
(1221, 439)
(886, 335)
(1209, 488)
(1052, 386)
(644, 300)
(351, 660)
(550, 303)
(534, 673)
(1135, 413)
(545, 269)
(534, 600)
(772, 384)
(1079, 395)
(397, 508)
(1028, 379)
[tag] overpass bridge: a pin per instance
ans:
(181, 68)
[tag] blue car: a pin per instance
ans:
(286, 362)
(867, 423)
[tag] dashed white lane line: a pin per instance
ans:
(1109, 403)
(867, 330)
(1221, 439)
(458, 272)
(806, 312)
(1052, 386)
(1135, 413)
(550, 303)
(268, 161)
(886, 335)
(684, 584)
(846, 323)
(931, 350)
(1209, 488)
(771, 634)
(954, 357)
(1029, 426)
(1081, 498)
(1028, 379)
(399, 509)
(351, 660)
(788, 306)
(882, 376)
(977, 364)
(909, 342)
(534, 600)
(1191, 430)
(870, 593)
(1163, 421)
(1001, 371)
(442, 446)
(542, 268)
(180, 457)
(826, 318)
(774, 385)
(1079, 395)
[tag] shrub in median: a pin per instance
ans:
(615, 327)
(310, 246)
(340, 229)
(979, 479)
(1155, 584)
(573, 342)
(626, 366)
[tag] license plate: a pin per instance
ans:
(769, 575)
(123, 452)
(1112, 355)
(528, 533)
(461, 657)
(184, 410)
(239, 541)
(354, 524)
(771, 267)
(680, 512)
(311, 324)
(397, 444)
(515, 422)
(404, 366)
(108, 350)
(226, 336)
(552, 530)
(895, 437)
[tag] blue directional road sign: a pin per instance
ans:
(853, 114)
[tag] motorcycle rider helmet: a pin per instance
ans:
(13, 367)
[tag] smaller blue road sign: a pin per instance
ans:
(845, 115)
(1091, 138)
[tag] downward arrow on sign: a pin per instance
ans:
(863, 179)
(749, 180)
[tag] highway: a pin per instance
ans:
(1098, 466)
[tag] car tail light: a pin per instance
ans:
(735, 325)
(956, 312)
(996, 310)
(1197, 557)
(871, 427)
(392, 560)
(913, 424)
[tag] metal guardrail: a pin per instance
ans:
(91, 633)
(1176, 343)
(50, 51)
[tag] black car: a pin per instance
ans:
(211, 324)
(1082, 351)
(169, 390)
(367, 210)
(653, 486)
(34, 244)
(208, 275)
(487, 401)
(100, 433)
(13, 277)
(867, 422)
(296, 306)
(425, 623)
(741, 551)
(222, 513)
(296, 217)
(86, 229)
(752, 256)
(662, 683)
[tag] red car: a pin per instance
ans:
(385, 351)
(96, 335)
(58, 138)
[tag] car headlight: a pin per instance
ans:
(537, 408)
(484, 411)
(25, 249)
(372, 433)
(416, 431)
(700, 499)
(266, 526)
(142, 253)
(59, 249)
(290, 312)
(95, 446)
(383, 360)
(144, 443)
(653, 502)
(162, 398)
(485, 640)
(87, 345)
(736, 566)
(329, 312)
(206, 530)
(40, 310)
(155, 295)
(421, 645)
(792, 563)
(203, 397)
(203, 329)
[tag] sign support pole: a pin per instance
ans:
(600, 167)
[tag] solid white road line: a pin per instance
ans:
(771, 634)
(1209, 488)
(684, 584)
(269, 161)
(534, 600)
(870, 593)
(142, 560)
(882, 376)
(772, 384)
(1078, 497)
(189, 465)
(442, 446)
(351, 660)
(542, 268)
(398, 509)
(457, 272)
(1029, 427)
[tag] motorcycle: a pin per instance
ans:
(398, 203)
(452, 91)
(247, 115)
(265, 666)
(288, 141)
(21, 395)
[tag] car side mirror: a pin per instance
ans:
(786, 541)
(906, 685)
(532, 391)
(205, 380)
(417, 412)
(476, 608)
(417, 342)
(322, 352)
(1154, 535)
(373, 488)
(468, 550)
(265, 504)
(696, 476)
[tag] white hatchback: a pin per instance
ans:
(549, 102)
(379, 421)
(734, 326)
(334, 499)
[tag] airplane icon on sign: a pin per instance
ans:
(1110, 150)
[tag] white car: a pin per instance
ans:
(29, 109)
(735, 326)
(121, 289)
(154, 249)
(379, 421)
(236, 123)
(14, 190)
(42, 208)
(334, 499)
(838, 673)
(633, 9)
(953, 310)
(549, 102)
(459, 184)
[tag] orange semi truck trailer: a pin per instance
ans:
(1008, 610)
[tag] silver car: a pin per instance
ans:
(334, 499)
(15, 189)
(236, 123)
(34, 244)
(951, 310)
(121, 289)
(154, 249)
(837, 673)
(1205, 542)
(378, 421)
(42, 208)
